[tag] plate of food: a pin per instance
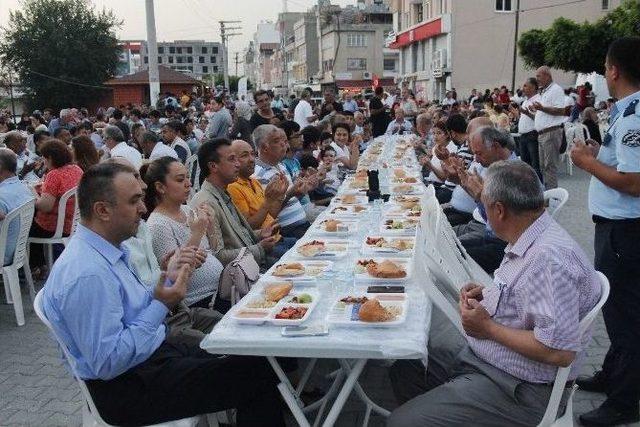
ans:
(369, 310)
(321, 248)
(358, 183)
(415, 211)
(401, 246)
(348, 211)
(277, 304)
(408, 188)
(383, 269)
(351, 199)
(300, 271)
(399, 225)
(335, 226)
(406, 201)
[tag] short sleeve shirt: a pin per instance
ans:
(57, 182)
(622, 153)
(248, 196)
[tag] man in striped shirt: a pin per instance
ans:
(518, 332)
(272, 145)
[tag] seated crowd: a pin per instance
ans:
(138, 285)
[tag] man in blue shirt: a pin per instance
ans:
(13, 193)
(614, 202)
(113, 324)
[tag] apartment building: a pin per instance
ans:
(197, 58)
(301, 54)
(446, 44)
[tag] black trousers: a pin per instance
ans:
(36, 251)
(529, 152)
(457, 217)
(487, 250)
(296, 231)
(180, 381)
(617, 256)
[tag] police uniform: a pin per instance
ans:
(617, 254)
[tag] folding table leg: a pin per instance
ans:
(283, 379)
(305, 376)
(352, 378)
(371, 405)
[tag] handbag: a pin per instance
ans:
(238, 277)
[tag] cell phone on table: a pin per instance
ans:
(305, 331)
(388, 289)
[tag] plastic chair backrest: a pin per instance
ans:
(193, 170)
(25, 215)
(555, 199)
(37, 307)
(551, 412)
(62, 209)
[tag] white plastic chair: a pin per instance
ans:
(20, 258)
(572, 131)
(555, 200)
(193, 170)
(478, 216)
(90, 415)
(550, 417)
(57, 237)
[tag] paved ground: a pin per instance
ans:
(35, 389)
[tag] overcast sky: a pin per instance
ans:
(190, 19)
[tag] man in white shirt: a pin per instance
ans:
(154, 148)
(113, 138)
(170, 136)
(303, 113)
(526, 126)
(548, 122)
(349, 104)
(399, 125)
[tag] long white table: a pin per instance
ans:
(352, 347)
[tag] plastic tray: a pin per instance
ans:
(365, 277)
(347, 211)
(270, 313)
(374, 250)
(398, 231)
(343, 314)
(329, 253)
(327, 265)
(318, 227)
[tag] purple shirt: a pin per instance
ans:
(545, 284)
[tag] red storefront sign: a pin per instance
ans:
(421, 32)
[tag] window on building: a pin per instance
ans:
(389, 65)
(205, 69)
(179, 59)
(214, 50)
(356, 63)
(146, 59)
(215, 68)
(172, 49)
(171, 60)
(419, 13)
(327, 65)
(190, 59)
(189, 50)
(160, 49)
(605, 4)
(159, 59)
(204, 49)
(503, 6)
(356, 40)
(214, 59)
(178, 50)
(190, 68)
(428, 9)
(201, 60)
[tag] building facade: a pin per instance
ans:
(446, 44)
(196, 58)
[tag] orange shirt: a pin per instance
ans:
(57, 182)
(248, 196)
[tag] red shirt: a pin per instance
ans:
(57, 182)
(503, 98)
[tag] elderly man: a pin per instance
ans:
(349, 104)
(501, 371)
(221, 121)
(13, 194)
(220, 167)
(489, 145)
(171, 136)
(272, 148)
(549, 123)
(65, 120)
(113, 324)
(399, 124)
(529, 147)
(114, 140)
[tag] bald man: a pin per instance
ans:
(549, 123)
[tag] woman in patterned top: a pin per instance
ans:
(173, 225)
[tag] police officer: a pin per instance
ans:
(614, 201)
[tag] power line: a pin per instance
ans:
(66, 81)
(552, 5)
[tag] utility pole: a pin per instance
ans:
(13, 106)
(152, 51)
(238, 62)
(515, 48)
(319, 34)
(224, 35)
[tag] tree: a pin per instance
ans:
(233, 82)
(63, 51)
(580, 48)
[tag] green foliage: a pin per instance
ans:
(233, 82)
(581, 48)
(51, 42)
